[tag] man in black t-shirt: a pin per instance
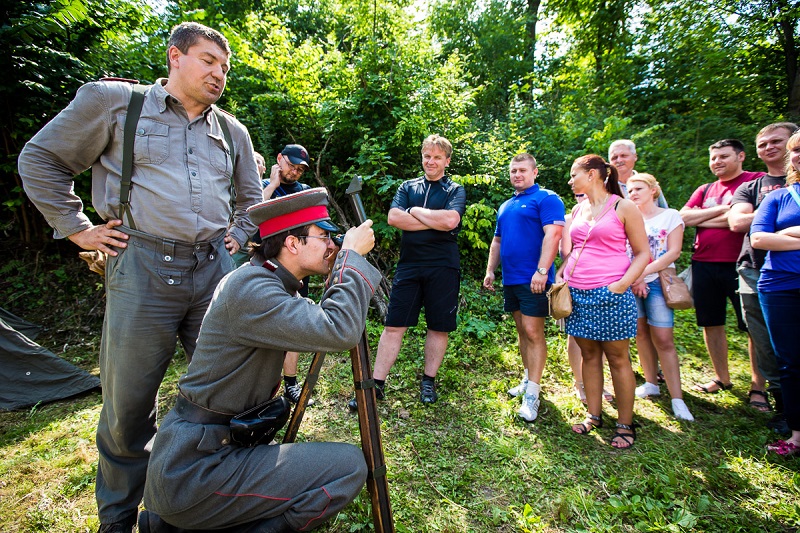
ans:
(771, 148)
(428, 209)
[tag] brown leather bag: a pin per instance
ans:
(560, 300)
(676, 292)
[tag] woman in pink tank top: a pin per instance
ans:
(599, 273)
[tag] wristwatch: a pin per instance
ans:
(542, 271)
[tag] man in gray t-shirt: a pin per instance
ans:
(765, 378)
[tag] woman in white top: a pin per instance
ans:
(654, 337)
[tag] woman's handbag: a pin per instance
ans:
(676, 292)
(560, 300)
(558, 297)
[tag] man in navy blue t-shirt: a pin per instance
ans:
(525, 243)
(428, 209)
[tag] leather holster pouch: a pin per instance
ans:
(259, 424)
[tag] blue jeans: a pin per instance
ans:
(781, 309)
(654, 307)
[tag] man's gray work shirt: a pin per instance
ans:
(181, 168)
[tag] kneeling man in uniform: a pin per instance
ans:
(209, 472)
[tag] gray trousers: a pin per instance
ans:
(157, 291)
(757, 328)
(198, 480)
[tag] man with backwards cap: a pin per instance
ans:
(200, 475)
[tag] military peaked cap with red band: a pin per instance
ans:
(292, 211)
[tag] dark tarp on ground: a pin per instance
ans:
(31, 374)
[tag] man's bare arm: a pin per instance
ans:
(421, 218)
(438, 219)
(695, 216)
(400, 219)
(740, 217)
(719, 221)
(491, 265)
(550, 244)
(792, 231)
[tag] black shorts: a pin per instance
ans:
(435, 288)
(712, 284)
(520, 298)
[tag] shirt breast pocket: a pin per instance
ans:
(219, 153)
(151, 144)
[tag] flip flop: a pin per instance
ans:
(784, 448)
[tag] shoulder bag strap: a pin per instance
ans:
(226, 132)
(608, 206)
(129, 136)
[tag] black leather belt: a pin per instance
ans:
(191, 412)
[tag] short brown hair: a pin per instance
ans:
(186, 34)
(440, 142)
(736, 144)
(519, 158)
(791, 127)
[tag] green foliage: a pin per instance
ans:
(361, 84)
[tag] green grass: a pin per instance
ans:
(465, 464)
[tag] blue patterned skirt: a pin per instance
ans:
(600, 315)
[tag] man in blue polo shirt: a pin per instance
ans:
(526, 240)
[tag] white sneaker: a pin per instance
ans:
(680, 410)
(647, 389)
(519, 390)
(530, 408)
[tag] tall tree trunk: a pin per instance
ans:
(532, 18)
(787, 27)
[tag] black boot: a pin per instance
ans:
(150, 522)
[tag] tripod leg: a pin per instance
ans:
(370, 429)
(308, 387)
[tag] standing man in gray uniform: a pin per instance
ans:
(174, 246)
(200, 474)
